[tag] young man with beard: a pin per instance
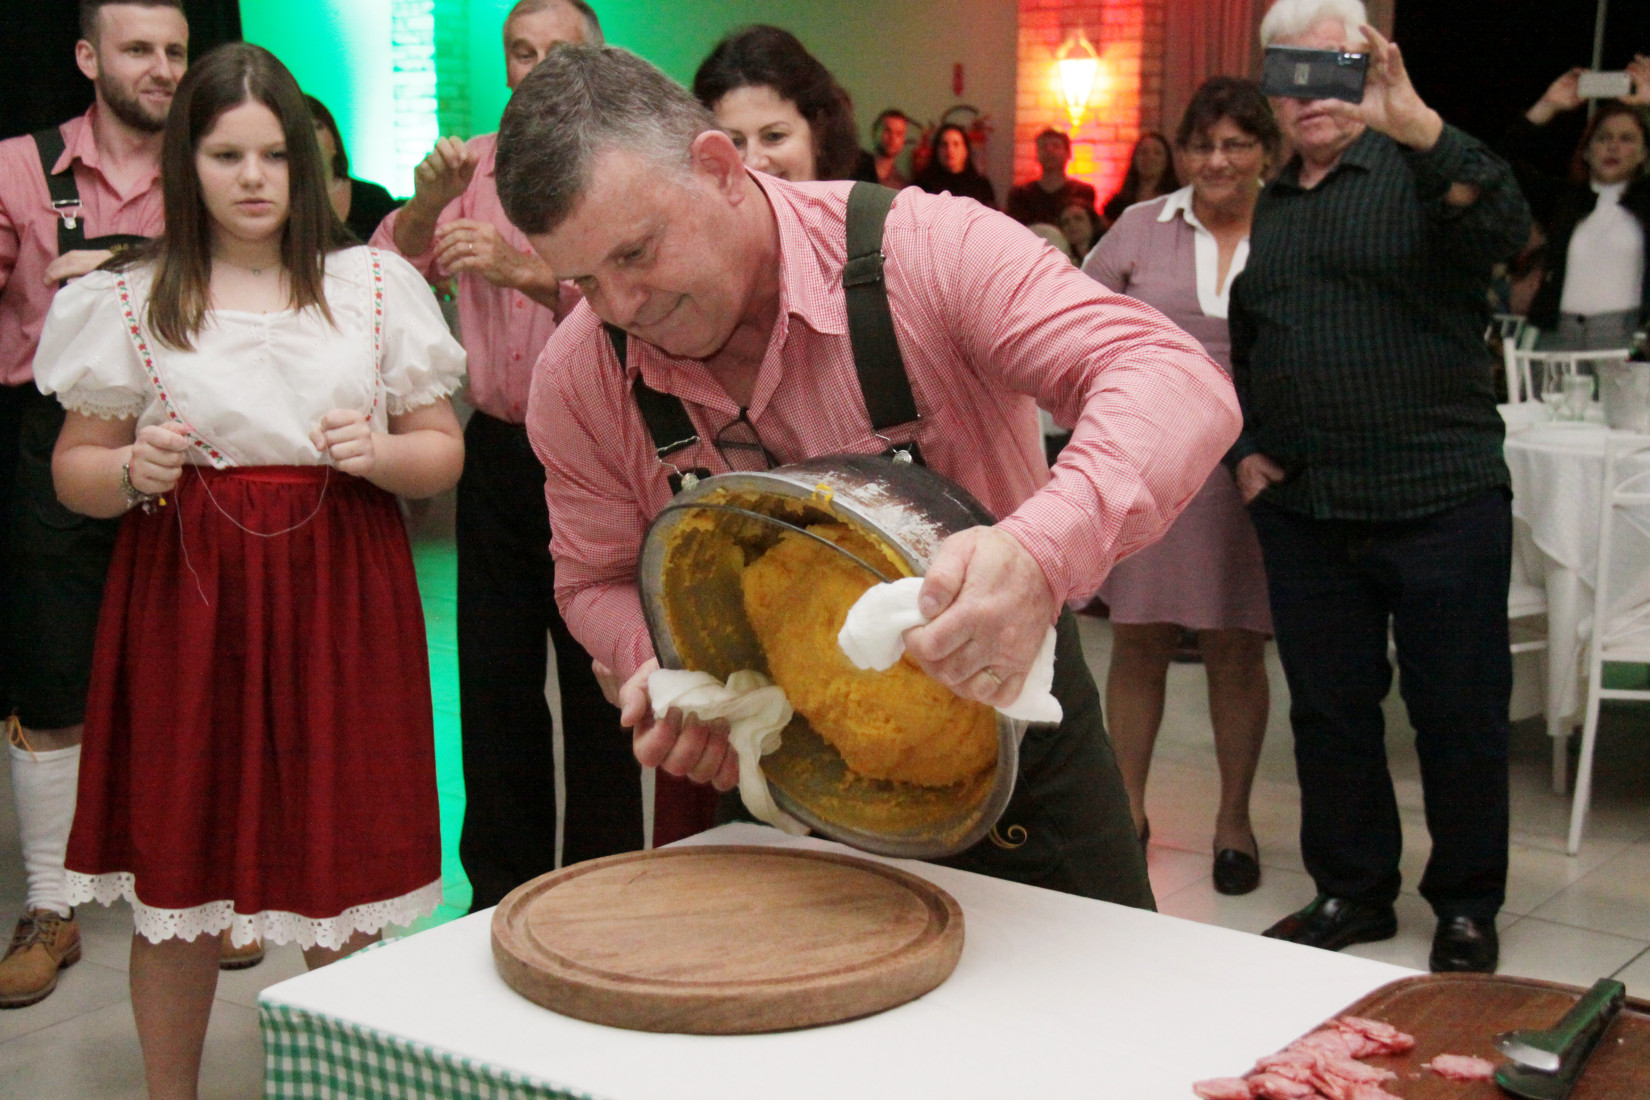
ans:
(103, 190)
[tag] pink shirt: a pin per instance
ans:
(992, 323)
(503, 330)
(28, 231)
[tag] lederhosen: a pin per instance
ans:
(1068, 825)
(55, 559)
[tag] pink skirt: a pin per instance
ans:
(1205, 573)
(259, 749)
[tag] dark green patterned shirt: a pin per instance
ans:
(1357, 330)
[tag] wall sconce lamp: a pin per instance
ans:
(1079, 66)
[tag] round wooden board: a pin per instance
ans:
(725, 940)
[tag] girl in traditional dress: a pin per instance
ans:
(251, 391)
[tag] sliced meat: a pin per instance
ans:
(1272, 1086)
(1390, 1039)
(1297, 1065)
(1223, 1088)
(1462, 1067)
(1331, 1040)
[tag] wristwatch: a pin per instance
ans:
(135, 497)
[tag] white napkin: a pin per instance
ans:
(873, 636)
(756, 711)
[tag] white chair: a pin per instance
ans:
(1513, 333)
(1526, 369)
(1621, 606)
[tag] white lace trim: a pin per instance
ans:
(270, 925)
(105, 404)
(396, 404)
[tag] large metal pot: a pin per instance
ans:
(1624, 391)
(689, 576)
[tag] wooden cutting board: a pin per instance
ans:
(725, 939)
(1462, 1013)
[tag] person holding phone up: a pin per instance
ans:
(1371, 461)
(1593, 292)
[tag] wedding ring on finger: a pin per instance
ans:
(991, 674)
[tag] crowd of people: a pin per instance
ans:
(1281, 422)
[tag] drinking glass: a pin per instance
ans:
(1578, 394)
(1552, 389)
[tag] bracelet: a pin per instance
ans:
(135, 496)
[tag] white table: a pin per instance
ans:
(1054, 996)
(1557, 478)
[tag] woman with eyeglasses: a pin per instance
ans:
(1180, 254)
(1593, 292)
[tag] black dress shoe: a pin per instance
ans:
(1236, 872)
(1465, 943)
(1334, 923)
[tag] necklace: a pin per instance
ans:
(256, 272)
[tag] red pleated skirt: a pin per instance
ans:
(258, 731)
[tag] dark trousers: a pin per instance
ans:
(1441, 581)
(52, 566)
(506, 607)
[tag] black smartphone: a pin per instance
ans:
(1295, 73)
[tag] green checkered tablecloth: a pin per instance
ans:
(312, 1057)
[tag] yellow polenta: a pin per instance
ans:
(900, 724)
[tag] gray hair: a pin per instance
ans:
(1288, 18)
(579, 102)
(592, 25)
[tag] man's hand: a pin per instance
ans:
(464, 246)
(1255, 474)
(72, 265)
(990, 608)
(1391, 104)
(156, 462)
(682, 746)
(345, 436)
(442, 176)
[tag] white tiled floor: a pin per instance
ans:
(1567, 919)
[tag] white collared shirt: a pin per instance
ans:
(1206, 250)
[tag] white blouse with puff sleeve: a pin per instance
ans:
(255, 385)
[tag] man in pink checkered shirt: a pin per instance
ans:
(728, 285)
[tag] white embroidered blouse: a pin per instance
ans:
(255, 385)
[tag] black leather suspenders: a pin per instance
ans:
(71, 226)
(877, 360)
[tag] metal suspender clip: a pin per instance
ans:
(68, 210)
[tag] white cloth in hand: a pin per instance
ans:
(756, 711)
(873, 636)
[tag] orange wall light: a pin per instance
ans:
(1079, 66)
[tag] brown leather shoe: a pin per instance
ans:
(231, 957)
(43, 944)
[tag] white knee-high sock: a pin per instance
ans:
(43, 784)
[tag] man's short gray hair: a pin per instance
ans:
(592, 25)
(1288, 18)
(579, 102)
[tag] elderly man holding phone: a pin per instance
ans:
(1372, 458)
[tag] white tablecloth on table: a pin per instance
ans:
(1557, 472)
(1054, 996)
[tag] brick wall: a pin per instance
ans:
(1128, 94)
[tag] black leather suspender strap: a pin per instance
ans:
(877, 359)
(666, 417)
(71, 227)
(65, 196)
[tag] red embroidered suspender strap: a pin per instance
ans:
(134, 330)
(377, 327)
